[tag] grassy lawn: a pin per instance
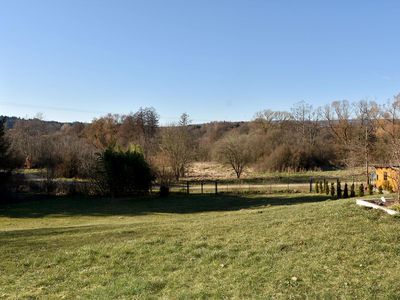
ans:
(289, 246)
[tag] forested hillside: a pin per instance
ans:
(337, 135)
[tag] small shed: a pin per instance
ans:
(386, 176)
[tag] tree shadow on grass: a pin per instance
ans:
(179, 204)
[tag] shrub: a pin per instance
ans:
(164, 191)
(69, 166)
(361, 190)
(387, 186)
(122, 173)
(380, 190)
(370, 189)
(326, 187)
(345, 191)
(352, 190)
(316, 187)
(332, 189)
(165, 177)
(339, 190)
(321, 188)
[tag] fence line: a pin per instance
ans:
(216, 187)
(196, 187)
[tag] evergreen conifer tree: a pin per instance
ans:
(345, 191)
(380, 189)
(332, 189)
(352, 190)
(327, 187)
(361, 190)
(370, 189)
(339, 190)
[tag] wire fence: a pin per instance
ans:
(216, 187)
(240, 186)
(286, 185)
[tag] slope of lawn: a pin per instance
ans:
(289, 246)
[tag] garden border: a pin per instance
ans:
(365, 203)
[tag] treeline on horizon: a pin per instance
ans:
(338, 135)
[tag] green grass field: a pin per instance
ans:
(289, 246)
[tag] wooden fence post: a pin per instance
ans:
(216, 187)
(201, 187)
(187, 187)
(311, 182)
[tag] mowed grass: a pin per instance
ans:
(289, 246)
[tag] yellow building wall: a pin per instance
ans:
(391, 175)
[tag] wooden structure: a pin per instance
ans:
(386, 176)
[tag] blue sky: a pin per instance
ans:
(214, 59)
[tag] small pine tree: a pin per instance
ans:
(326, 188)
(339, 189)
(332, 189)
(316, 187)
(380, 189)
(361, 190)
(352, 190)
(345, 191)
(370, 189)
(321, 187)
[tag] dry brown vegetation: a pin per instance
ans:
(214, 170)
(337, 136)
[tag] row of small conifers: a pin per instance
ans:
(332, 189)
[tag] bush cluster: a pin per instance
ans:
(324, 187)
(123, 173)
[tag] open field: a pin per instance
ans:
(277, 246)
(209, 171)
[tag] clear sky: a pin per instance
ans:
(214, 59)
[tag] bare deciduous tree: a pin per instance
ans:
(268, 119)
(338, 118)
(140, 128)
(177, 146)
(234, 151)
(307, 121)
(364, 129)
(102, 132)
